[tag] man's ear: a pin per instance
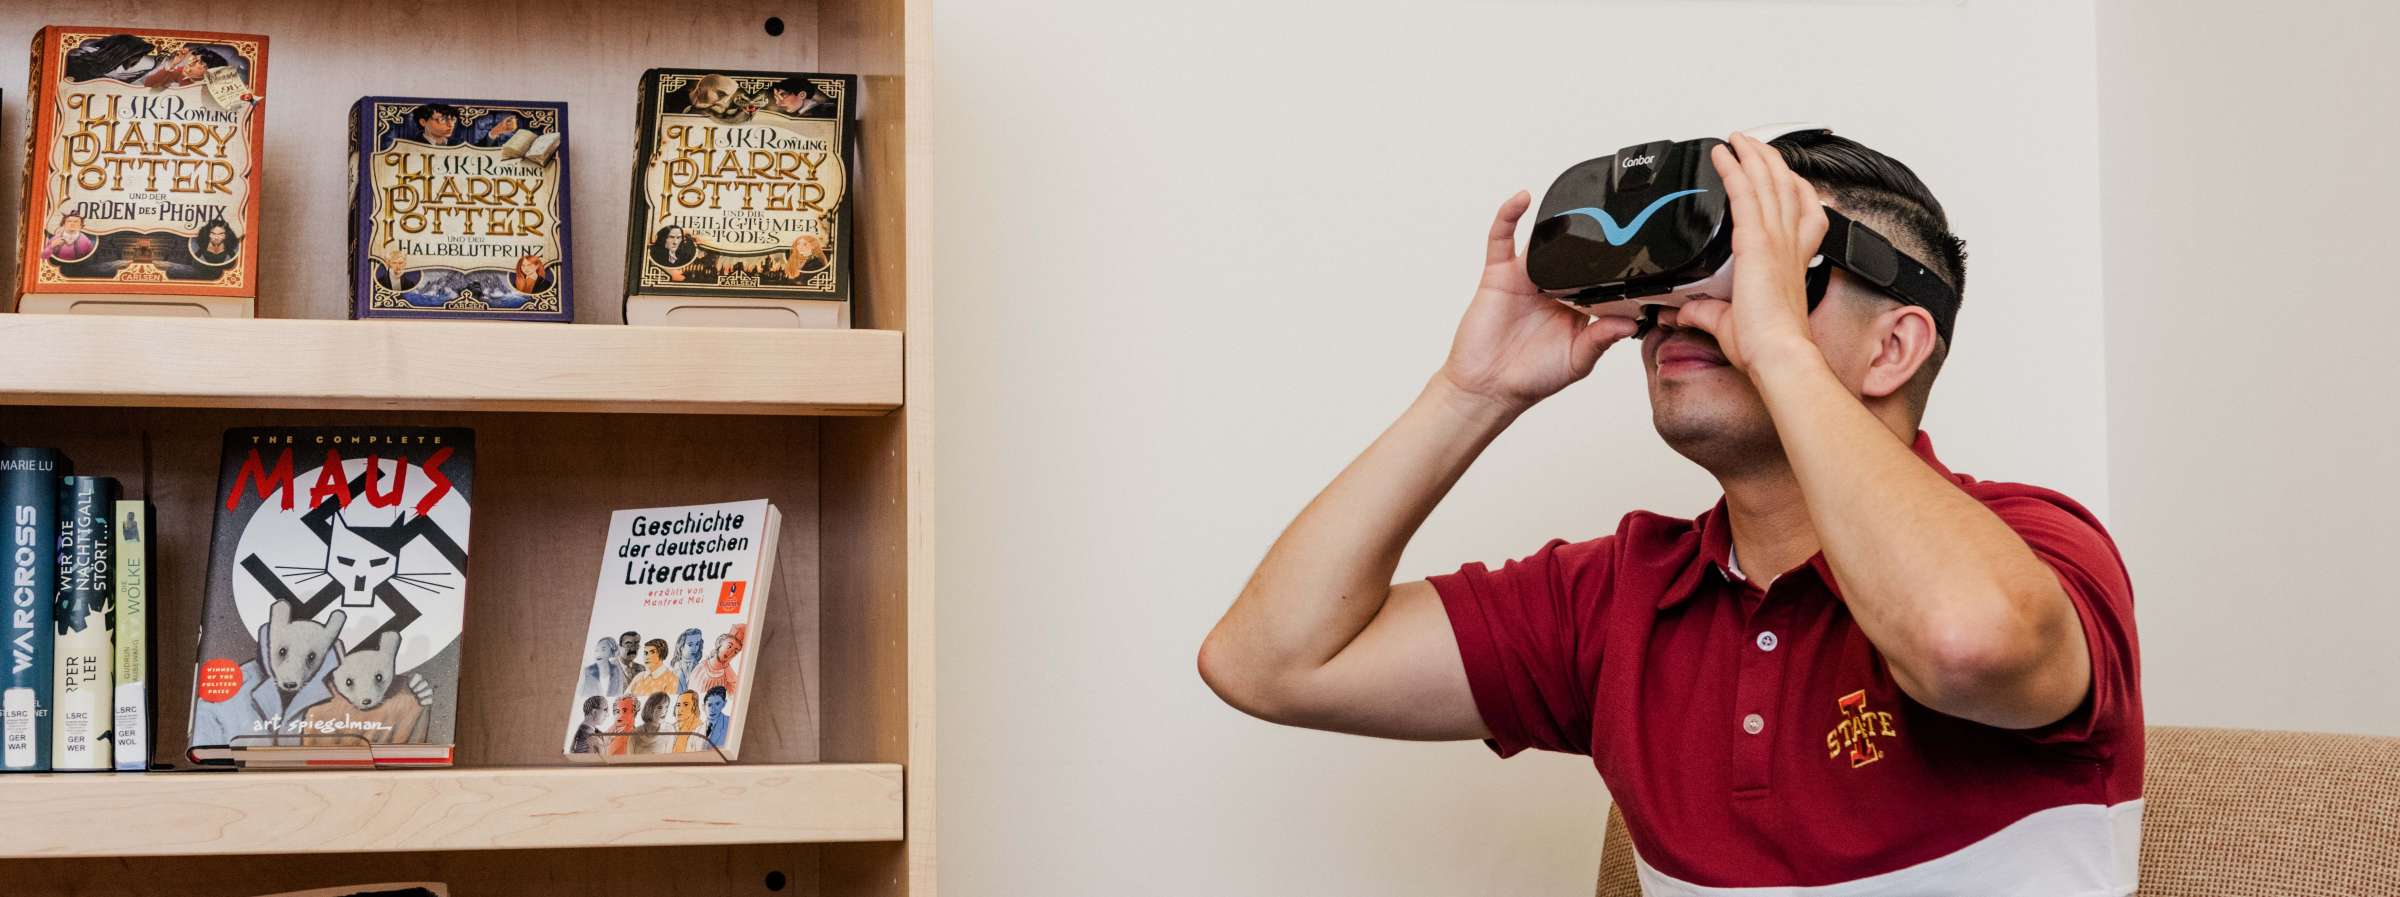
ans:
(1904, 343)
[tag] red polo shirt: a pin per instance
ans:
(1756, 739)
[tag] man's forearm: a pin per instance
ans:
(1973, 623)
(1330, 572)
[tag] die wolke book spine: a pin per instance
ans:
(460, 210)
(134, 666)
(83, 691)
(741, 186)
(142, 168)
(29, 483)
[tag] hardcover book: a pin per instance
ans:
(141, 174)
(134, 664)
(83, 692)
(459, 210)
(741, 194)
(329, 634)
(29, 481)
(674, 634)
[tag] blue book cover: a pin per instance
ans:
(29, 487)
(459, 209)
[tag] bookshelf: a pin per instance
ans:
(834, 793)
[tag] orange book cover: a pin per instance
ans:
(141, 168)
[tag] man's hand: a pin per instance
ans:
(1516, 346)
(1778, 223)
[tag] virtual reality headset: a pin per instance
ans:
(1648, 228)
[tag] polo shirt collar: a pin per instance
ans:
(1715, 548)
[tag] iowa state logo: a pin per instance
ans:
(1858, 730)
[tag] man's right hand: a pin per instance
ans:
(1516, 345)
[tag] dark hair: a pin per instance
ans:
(210, 58)
(716, 691)
(1879, 191)
(658, 643)
(798, 85)
(428, 110)
(593, 704)
(655, 703)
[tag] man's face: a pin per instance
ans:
(1710, 412)
(716, 703)
(686, 707)
(439, 126)
(629, 643)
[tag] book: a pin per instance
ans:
(741, 197)
(336, 590)
(459, 209)
(29, 481)
(674, 634)
(134, 664)
(141, 171)
(83, 692)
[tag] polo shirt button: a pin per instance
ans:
(1754, 724)
(1766, 641)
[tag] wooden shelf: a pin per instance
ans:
(188, 813)
(460, 366)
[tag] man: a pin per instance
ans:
(800, 98)
(438, 122)
(689, 645)
(656, 678)
(1857, 673)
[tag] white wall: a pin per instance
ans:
(1192, 257)
(2252, 220)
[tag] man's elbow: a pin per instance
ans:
(1996, 668)
(1243, 686)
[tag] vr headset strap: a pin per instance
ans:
(1858, 249)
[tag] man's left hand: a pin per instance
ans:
(1778, 223)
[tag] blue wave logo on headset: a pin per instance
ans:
(1621, 234)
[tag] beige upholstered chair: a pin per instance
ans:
(2234, 813)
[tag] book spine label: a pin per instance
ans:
(84, 693)
(133, 637)
(29, 480)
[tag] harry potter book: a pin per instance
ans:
(29, 487)
(134, 663)
(674, 637)
(329, 634)
(741, 199)
(141, 172)
(83, 692)
(459, 210)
